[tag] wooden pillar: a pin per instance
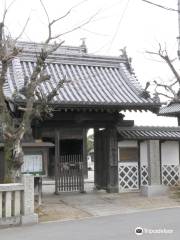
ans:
(85, 165)
(37, 130)
(112, 183)
(106, 160)
(95, 157)
(100, 163)
(57, 156)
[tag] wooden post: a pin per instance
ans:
(57, 156)
(95, 157)
(85, 165)
(112, 184)
(100, 168)
(106, 160)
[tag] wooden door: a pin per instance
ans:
(70, 166)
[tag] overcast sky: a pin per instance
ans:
(117, 23)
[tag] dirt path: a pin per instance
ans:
(77, 206)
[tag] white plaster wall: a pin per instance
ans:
(143, 153)
(170, 153)
(127, 144)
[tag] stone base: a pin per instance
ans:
(10, 221)
(153, 190)
(29, 219)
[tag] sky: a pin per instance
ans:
(115, 24)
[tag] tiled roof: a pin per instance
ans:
(94, 80)
(172, 110)
(144, 133)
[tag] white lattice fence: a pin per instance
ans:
(128, 176)
(144, 175)
(170, 175)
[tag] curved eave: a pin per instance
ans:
(101, 106)
(117, 107)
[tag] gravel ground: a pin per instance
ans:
(68, 206)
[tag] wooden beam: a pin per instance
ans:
(73, 124)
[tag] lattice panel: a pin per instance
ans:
(128, 176)
(170, 175)
(144, 175)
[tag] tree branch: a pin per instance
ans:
(166, 87)
(160, 6)
(6, 10)
(165, 95)
(23, 29)
(51, 23)
(164, 55)
(77, 27)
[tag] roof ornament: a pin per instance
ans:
(83, 45)
(128, 60)
(145, 94)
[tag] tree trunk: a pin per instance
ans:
(13, 156)
(8, 149)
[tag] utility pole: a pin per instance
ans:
(179, 29)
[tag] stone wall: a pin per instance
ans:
(17, 203)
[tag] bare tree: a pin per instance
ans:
(35, 102)
(171, 89)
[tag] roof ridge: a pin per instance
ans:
(30, 49)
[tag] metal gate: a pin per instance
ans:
(70, 173)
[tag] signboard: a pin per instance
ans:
(33, 163)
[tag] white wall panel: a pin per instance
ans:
(170, 153)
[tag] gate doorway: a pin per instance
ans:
(70, 166)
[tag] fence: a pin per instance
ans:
(70, 173)
(17, 203)
(131, 177)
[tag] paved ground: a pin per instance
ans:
(117, 227)
(78, 206)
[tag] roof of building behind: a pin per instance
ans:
(145, 133)
(171, 110)
(94, 80)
